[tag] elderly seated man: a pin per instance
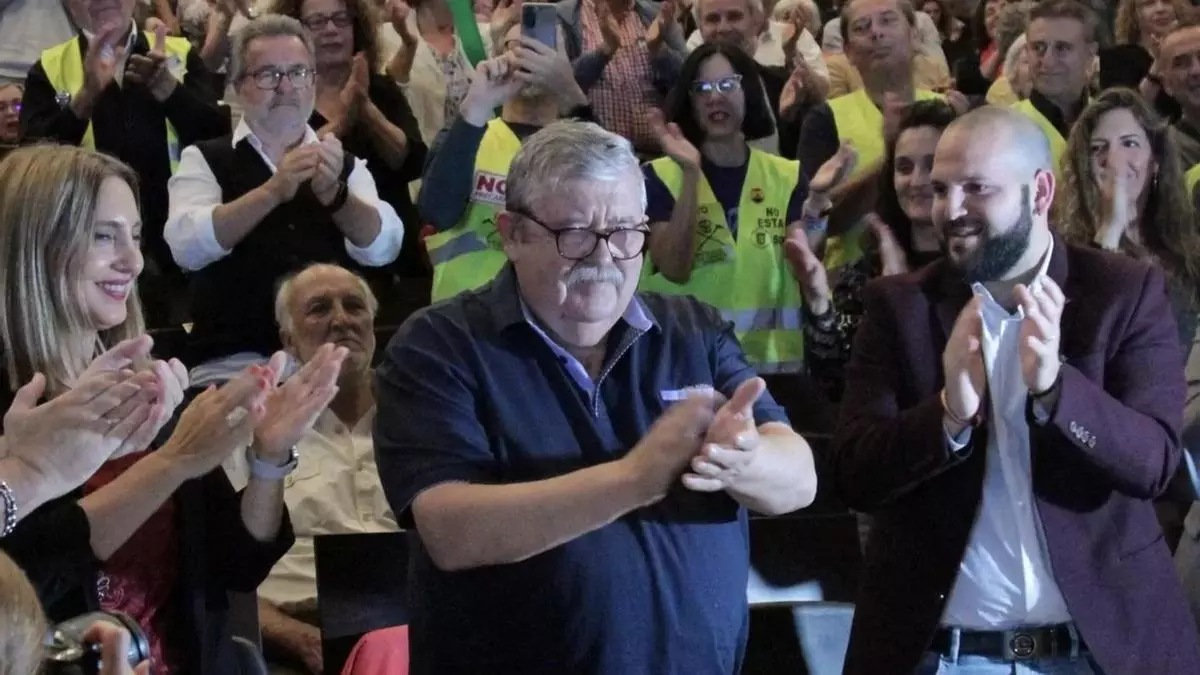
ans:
(252, 207)
(335, 488)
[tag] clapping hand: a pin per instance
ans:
(62, 442)
(495, 82)
(103, 56)
(731, 443)
(398, 12)
(1115, 209)
(892, 257)
(672, 141)
(293, 407)
(150, 70)
(656, 33)
(218, 422)
(1042, 303)
(808, 270)
(326, 179)
(962, 363)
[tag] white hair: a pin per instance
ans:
(287, 286)
(568, 150)
(268, 25)
(755, 6)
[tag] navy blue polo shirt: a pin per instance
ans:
(469, 390)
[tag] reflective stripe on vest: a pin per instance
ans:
(859, 121)
(469, 254)
(1058, 144)
(63, 64)
(746, 279)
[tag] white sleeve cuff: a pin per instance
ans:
(957, 443)
(194, 195)
(386, 246)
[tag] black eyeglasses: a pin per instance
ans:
(577, 243)
(317, 21)
(724, 85)
(268, 79)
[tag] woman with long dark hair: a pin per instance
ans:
(1123, 190)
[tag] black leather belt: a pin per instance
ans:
(1018, 644)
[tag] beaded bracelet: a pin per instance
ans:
(10, 509)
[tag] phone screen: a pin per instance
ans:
(539, 20)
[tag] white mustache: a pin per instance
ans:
(593, 274)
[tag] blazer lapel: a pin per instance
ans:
(949, 294)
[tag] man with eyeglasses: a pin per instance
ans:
(577, 459)
(463, 188)
(138, 96)
(248, 208)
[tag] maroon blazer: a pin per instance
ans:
(1110, 447)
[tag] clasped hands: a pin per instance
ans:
(704, 441)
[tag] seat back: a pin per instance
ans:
(362, 584)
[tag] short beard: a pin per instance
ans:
(999, 253)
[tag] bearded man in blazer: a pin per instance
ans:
(1010, 412)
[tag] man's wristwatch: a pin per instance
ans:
(268, 471)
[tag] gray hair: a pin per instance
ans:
(755, 7)
(563, 151)
(268, 25)
(287, 287)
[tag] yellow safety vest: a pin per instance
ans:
(1191, 178)
(748, 280)
(470, 254)
(859, 121)
(63, 64)
(1058, 144)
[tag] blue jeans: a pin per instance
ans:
(937, 664)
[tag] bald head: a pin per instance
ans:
(1001, 131)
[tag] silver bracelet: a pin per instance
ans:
(10, 509)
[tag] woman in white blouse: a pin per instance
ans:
(425, 56)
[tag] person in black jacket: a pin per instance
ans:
(136, 96)
(371, 116)
(156, 533)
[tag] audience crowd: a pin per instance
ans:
(569, 291)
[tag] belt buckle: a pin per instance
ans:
(1020, 645)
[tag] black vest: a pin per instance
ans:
(233, 299)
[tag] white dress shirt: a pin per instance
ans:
(1005, 579)
(769, 51)
(335, 489)
(195, 194)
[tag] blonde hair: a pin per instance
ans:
(48, 196)
(23, 621)
(1127, 27)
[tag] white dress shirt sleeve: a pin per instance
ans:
(957, 443)
(194, 194)
(386, 246)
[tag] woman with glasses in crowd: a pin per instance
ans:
(156, 532)
(368, 112)
(720, 210)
